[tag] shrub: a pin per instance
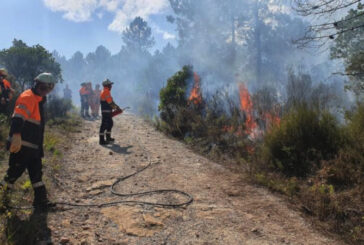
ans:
(173, 103)
(355, 128)
(57, 107)
(348, 168)
(214, 125)
(302, 140)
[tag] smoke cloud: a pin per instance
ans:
(227, 42)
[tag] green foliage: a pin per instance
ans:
(356, 127)
(26, 185)
(138, 36)
(205, 125)
(57, 107)
(303, 139)
(289, 187)
(306, 140)
(69, 124)
(173, 102)
(174, 94)
(349, 47)
(25, 62)
(347, 169)
(355, 68)
(50, 142)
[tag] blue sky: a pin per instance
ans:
(71, 25)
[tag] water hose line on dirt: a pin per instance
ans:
(189, 198)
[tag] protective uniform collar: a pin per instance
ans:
(37, 97)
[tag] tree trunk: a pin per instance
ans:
(257, 37)
(233, 43)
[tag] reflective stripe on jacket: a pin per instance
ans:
(105, 101)
(28, 119)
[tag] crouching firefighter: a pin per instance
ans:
(107, 105)
(25, 141)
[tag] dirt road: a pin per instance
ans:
(226, 210)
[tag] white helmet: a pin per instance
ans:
(45, 77)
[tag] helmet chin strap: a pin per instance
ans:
(35, 88)
(38, 90)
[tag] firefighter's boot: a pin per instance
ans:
(108, 137)
(41, 202)
(102, 140)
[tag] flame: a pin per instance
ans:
(271, 120)
(252, 130)
(195, 96)
(246, 105)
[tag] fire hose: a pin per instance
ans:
(188, 201)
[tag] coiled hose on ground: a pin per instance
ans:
(189, 198)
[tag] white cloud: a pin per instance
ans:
(120, 21)
(165, 34)
(75, 10)
(133, 8)
(124, 10)
(110, 5)
(169, 36)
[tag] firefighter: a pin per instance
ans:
(84, 94)
(25, 141)
(67, 93)
(97, 93)
(107, 105)
(91, 99)
(6, 92)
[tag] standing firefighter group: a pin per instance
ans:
(90, 99)
(25, 141)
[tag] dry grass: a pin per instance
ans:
(23, 226)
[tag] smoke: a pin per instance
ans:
(226, 42)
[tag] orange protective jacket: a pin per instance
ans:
(95, 101)
(28, 120)
(84, 91)
(7, 84)
(84, 94)
(106, 101)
